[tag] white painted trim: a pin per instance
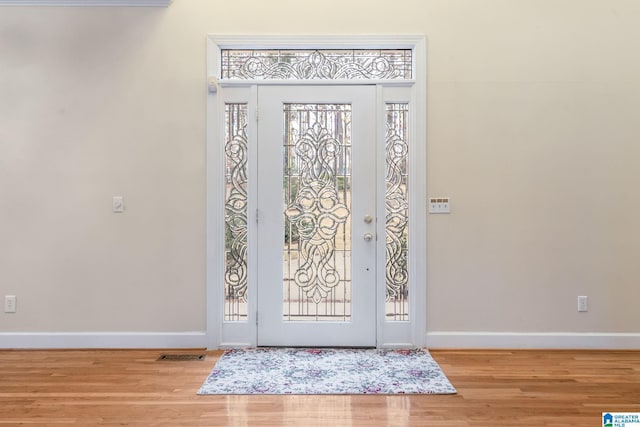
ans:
(214, 212)
(534, 340)
(323, 82)
(68, 340)
(153, 3)
(418, 195)
(226, 345)
(316, 41)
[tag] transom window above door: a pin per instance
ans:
(313, 64)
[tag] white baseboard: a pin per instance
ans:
(30, 340)
(534, 340)
(436, 339)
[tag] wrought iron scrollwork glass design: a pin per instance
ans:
(325, 64)
(397, 212)
(317, 198)
(235, 218)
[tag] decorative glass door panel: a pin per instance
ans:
(316, 198)
(397, 212)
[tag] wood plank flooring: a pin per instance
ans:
(495, 388)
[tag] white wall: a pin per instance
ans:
(533, 132)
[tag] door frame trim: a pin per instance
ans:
(386, 335)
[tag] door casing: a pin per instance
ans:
(221, 334)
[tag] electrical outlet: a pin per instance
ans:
(583, 303)
(10, 303)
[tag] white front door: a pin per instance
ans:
(316, 232)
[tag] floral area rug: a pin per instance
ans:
(326, 371)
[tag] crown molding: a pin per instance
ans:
(148, 3)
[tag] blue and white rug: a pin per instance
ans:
(326, 371)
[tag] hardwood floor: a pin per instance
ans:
(495, 388)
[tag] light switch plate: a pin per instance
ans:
(439, 205)
(117, 204)
(10, 303)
